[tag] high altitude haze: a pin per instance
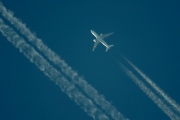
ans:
(66, 80)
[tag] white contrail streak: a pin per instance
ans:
(54, 75)
(66, 69)
(168, 99)
(159, 102)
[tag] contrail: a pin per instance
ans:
(54, 75)
(168, 99)
(65, 68)
(159, 102)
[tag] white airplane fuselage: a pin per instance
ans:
(99, 38)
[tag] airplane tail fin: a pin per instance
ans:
(109, 47)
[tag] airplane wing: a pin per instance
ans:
(96, 42)
(105, 35)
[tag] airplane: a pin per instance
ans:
(99, 39)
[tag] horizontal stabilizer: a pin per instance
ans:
(109, 47)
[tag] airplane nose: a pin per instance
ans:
(91, 31)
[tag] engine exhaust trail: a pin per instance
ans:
(65, 68)
(159, 102)
(49, 71)
(165, 96)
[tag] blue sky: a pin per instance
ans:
(146, 32)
